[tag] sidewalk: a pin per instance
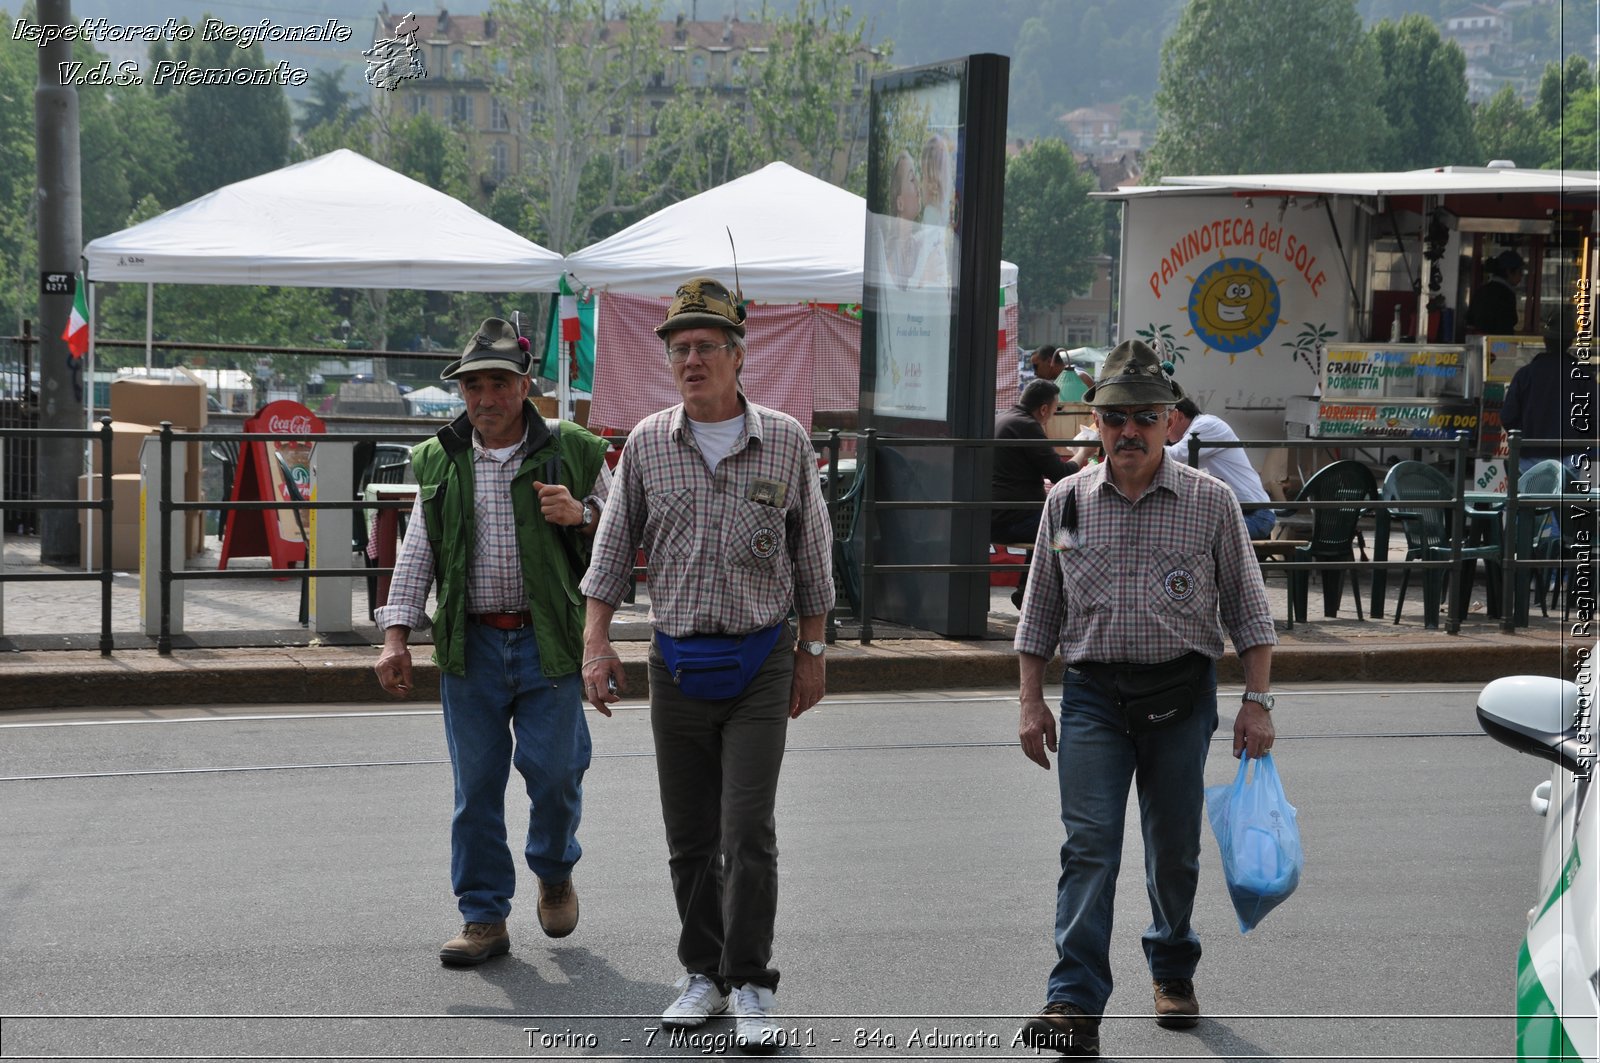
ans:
(242, 644)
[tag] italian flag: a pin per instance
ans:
(571, 325)
(1002, 323)
(77, 331)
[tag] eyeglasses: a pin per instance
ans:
(1144, 418)
(680, 352)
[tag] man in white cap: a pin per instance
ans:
(723, 496)
(1140, 563)
(506, 506)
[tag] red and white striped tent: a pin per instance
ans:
(800, 244)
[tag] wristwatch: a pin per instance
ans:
(588, 516)
(813, 648)
(1266, 701)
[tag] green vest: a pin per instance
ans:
(443, 467)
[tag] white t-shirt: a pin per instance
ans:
(716, 438)
(1227, 464)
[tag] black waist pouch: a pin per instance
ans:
(1151, 696)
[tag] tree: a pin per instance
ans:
(329, 103)
(1508, 130)
(1263, 86)
(1423, 94)
(19, 257)
(229, 132)
(1052, 227)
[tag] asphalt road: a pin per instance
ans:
(273, 884)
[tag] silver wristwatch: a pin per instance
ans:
(1266, 701)
(813, 648)
(588, 516)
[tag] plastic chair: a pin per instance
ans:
(1333, 533)
(1428, 534)
(846, 562)
(1549, 536)
(300, 522)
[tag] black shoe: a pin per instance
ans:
(1064, 1027)
(1016, 597)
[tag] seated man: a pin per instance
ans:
(1227, 464)
(1020, 472)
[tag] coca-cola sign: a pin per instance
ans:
(299, 425)
(285, 417)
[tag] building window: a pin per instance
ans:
(438, 58)
(458, 64)
(461, 110)
(417, 103)
(499, 120)
(697, 71)
(499, 162)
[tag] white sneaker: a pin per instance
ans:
(698, 1000)
(754, 1029)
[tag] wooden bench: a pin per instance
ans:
(1270, 548)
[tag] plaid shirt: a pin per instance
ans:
(1146, 580)
(494, 573)
(728, 553)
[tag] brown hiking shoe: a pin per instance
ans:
(1176, 1006)
(1064, 1027)
(558, 908)
(476, 942)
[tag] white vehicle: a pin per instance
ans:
(1558, 966)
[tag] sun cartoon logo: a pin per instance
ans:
(1234, 305)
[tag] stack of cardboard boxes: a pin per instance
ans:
(138, 406)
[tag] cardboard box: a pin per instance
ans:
(180, 399)
(124, 522)
(126, 439)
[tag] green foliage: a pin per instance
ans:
(329, 103)
(228, 132)
(1261, 86)
(1506, 129)
(1423, 94)
(19, 258)
(1052, 227)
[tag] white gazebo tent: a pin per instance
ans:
(795, 239)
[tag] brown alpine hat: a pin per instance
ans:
(1133, 376)
(703, 303)
(496, 345)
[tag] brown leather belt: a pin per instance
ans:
(503, 621)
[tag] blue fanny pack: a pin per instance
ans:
(716, 666)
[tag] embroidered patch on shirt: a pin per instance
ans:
(1179, 584)
(768, 493)
(764, 543)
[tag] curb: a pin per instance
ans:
(342, 675)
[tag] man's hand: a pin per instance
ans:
(1037, 729)
(809, 683)
(394, 664)
(1253, 730)
(603, 680)
(558, 505)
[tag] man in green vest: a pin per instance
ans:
(506, 506)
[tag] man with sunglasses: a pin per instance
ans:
(1139, 565)
(723, 496)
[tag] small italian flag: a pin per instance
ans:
(571, 324)
(77, 331)
(1002, 328)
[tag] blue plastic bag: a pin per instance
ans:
(1259, 840)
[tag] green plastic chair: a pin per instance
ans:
(1428, 535)
(1333, 533)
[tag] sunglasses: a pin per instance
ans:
(1144, 418)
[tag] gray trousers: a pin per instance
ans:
(717, 763)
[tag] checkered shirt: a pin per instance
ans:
(1146, 580)
(720, 562)
(494, 573)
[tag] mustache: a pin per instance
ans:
(1132, 444)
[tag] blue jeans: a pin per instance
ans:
(505, 711)
(1259, 523)
(1097, 761)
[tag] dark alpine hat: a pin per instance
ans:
(1131, 376)
(703, 303)
(495, 346)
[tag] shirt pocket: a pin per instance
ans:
(669, 528)
(756, 536)
(1184, 584)
(1090, 576)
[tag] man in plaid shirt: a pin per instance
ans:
(723, 496)
(500, 496)
(1139, 564)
